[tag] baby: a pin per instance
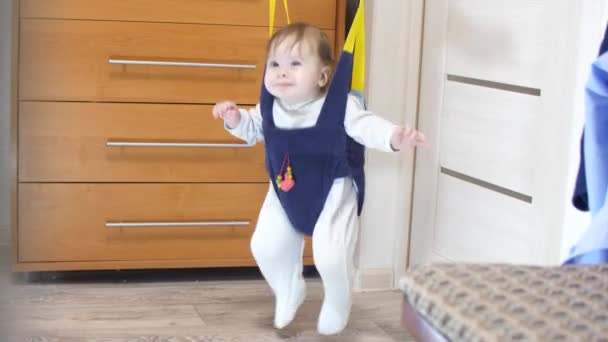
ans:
(313, 133)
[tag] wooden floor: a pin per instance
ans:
(228, 305)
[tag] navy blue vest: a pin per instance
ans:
(318, 154)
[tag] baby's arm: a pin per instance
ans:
(242, 123)
(375, 132)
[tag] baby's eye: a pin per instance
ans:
(273, 64)
(296, 63)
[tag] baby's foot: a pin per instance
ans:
(332, 319)
(285, 310)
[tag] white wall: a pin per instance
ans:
(393, 43)
(5, 107)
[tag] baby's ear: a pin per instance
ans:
(324, 78)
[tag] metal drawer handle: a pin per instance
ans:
(167, 144)
(114, 224)
(181, 64)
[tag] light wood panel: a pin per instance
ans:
(502, 41)
(66, 222)
(474, 224)
(75, 66)
(93, 318)
(229, 12)
(489, 134)
(66, 142)
(62, 226)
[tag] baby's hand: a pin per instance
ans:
(229, 112)
(406, 136)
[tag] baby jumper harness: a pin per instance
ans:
(303, 163)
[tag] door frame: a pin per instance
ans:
(394, 38)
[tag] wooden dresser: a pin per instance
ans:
(120, 164)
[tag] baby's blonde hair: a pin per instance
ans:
(303, 32)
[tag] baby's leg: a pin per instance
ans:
(334, 241)
(277, 248)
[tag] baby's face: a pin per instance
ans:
(294, 72)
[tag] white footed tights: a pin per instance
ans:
(277, 248)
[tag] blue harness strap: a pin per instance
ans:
(318, 155)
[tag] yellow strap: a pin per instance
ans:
(272, 13)
(286, 11)
(355, 44)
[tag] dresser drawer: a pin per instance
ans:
(82, 222)
(231, 12)
(124, 142)
(69, 60)
(76, 59)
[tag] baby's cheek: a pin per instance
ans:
(267, 81)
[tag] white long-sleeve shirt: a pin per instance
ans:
(363, 126)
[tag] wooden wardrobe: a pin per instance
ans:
(119, 162)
